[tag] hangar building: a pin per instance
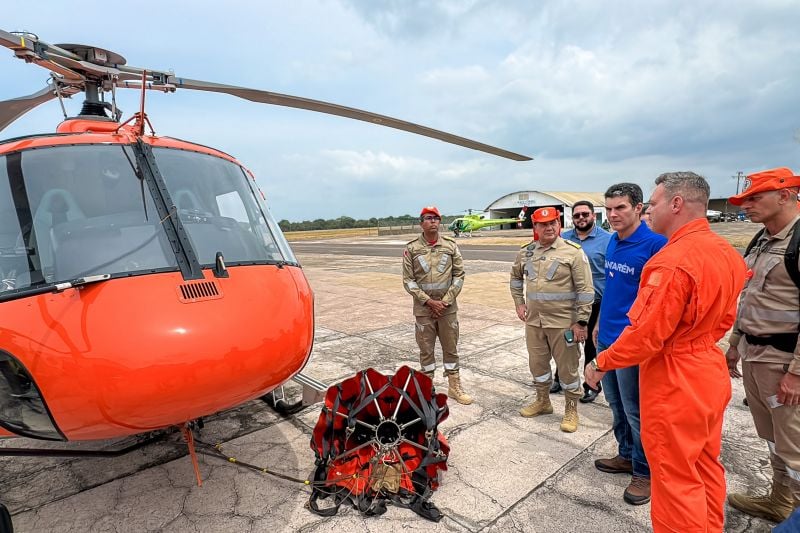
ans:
(511, 205)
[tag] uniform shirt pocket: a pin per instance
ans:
(530, 270)
(423, 263)
(552, 269)
(761, 278)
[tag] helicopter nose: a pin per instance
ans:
(180, 355)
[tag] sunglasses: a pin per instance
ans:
(430, 218)
(581, 215)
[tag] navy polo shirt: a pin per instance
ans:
(625, 259)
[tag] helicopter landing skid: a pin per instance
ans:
(47, 452)
(313, 392)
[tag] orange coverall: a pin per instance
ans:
(686, 303)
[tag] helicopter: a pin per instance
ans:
(144, 283)
(469, 223)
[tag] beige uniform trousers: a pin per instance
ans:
(544, 343)
(779, 426)
(446, 329)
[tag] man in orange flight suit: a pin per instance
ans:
(686, 303)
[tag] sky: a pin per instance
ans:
(595, 92)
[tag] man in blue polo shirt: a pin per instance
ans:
(594, 241)
(629, 248)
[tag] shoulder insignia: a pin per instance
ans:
(573, 244)
(446, 238)
(527, 244)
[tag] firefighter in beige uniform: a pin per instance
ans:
(433, 273)
(765, 336)
(558, 304)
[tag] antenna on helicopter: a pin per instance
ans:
(140, 118)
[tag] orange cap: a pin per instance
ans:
(767, 180)
(431, 209)
(545, 214)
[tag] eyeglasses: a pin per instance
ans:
(430, 218)
(581, 215)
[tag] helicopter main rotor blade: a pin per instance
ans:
(11, 110)
(76, 66)
(266, 97)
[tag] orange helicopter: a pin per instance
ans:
(143, 282)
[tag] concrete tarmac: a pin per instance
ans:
(395, 248)
(506, 473)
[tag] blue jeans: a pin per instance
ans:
(790, 524)
(621, 388)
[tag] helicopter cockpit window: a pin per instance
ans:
(277, 233)
(218, 208)
(73, 211)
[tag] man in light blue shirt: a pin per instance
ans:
(594, 241)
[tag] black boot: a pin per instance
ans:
(589, 395)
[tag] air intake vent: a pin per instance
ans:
(197, 292)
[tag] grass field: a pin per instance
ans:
(330, 234)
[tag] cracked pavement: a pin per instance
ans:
(506, 473)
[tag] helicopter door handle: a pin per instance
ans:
(220, 270)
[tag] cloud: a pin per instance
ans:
(595, 91)
(616, 81)
(369, 164)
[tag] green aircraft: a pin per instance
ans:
(470, 223)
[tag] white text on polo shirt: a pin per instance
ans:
(620, 267)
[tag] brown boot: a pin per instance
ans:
(569, 424)
(615, 465)
(638, 492)
(775, 506)
(455, 391)
(540, 406)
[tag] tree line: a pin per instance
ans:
(347, 222)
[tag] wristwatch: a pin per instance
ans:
(582, 323)
(593, 364)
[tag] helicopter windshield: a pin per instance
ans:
(219, 207)
(73, 211)
(68, 212)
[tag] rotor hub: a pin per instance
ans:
(94, 54)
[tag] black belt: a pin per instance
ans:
(785, 342)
